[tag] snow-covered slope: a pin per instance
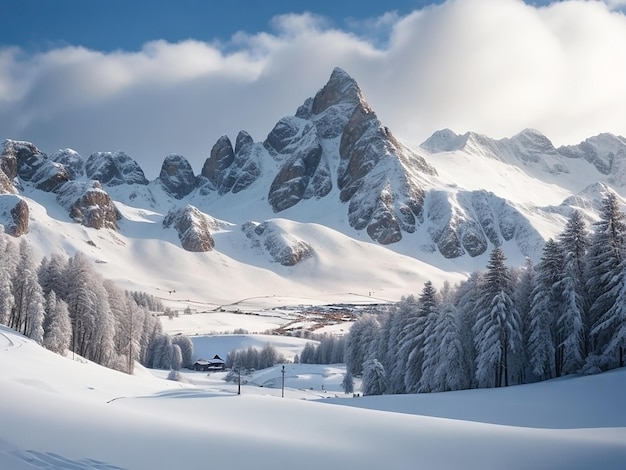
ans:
(62, 414)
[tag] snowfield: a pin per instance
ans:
(59, 413)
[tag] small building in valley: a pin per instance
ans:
(215, 364)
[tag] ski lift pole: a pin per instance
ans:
(282, 392)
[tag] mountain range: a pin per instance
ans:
(330, 203)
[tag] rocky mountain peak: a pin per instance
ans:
(341, 88)
(444, 140)
(177, 176)
(114, 168)
(72, 161)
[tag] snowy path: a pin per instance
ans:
(5, 342)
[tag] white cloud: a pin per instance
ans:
(492, 66)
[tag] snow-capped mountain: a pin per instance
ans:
(330, 201)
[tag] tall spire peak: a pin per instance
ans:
(341, 88)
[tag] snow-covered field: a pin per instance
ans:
(59, 413)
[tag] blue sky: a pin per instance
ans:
(153, 78)
(127, 24)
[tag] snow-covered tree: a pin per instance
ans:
(467, 301)
(57, 325)
(28, 311)
(451, 372)
(541, 347)
(398, 347)
(523, 299)
(186, 348)
(348, 383)
(604, 260)
(573, 300)
(497, 328)
(51, 274)
(6, 287)
(360, 341)
(420, 340)
(176, 357)
(374, 378)
(612, 324)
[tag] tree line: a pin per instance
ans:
(505, 326)
(64, 304)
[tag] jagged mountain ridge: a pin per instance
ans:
(333, 163)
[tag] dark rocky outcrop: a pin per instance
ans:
(193, 228)
(15, 215)
(177, 176)
(88, 204)
(114, 168)
(221, 158)
(228, 170)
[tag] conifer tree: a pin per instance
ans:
(604, 260)
(541, 346)
(374, 378)
(497, 328)
(573, 300)
(420, 331)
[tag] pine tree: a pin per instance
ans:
(467, 302)
(497, 329)
(451, 372)
(604, 259)
(541, 346)
(612, 324)
(402, 316)
(374, 378)
(430, 341)
(420, 330)
(360, 342)
(573, 300)
(523, 299)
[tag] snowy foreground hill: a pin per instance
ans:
(59, 413)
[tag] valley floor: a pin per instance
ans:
(59, 413)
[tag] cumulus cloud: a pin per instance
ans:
(491, 66)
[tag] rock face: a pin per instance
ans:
(606, 152)
(114, 168)
(282, 247)
(14, 214)
(228, 170)
(24, 160)
(305, 174)
(468, 221)
(193, 228)
(88, 204)
(177, 176)
(6, 187)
